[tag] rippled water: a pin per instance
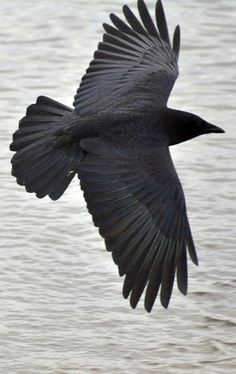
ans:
(61, 306)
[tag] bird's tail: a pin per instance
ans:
(37, 164)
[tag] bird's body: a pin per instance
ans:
(133, 127)
(117, 140)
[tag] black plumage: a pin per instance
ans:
(117, 141)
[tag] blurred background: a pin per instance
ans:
(61, 310)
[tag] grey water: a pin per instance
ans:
(61, 308)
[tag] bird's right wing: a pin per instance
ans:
(137, 202)
(135, 62)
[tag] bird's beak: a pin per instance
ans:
(212, 128)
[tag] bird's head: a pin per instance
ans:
(198, 126)
(185, 126)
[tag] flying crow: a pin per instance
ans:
(116, 139)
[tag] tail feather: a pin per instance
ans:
(61, 176)
(45, 105)
(37, 164)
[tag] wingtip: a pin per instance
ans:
(184, 291)
(140, 3)
(193, 256)
(133, 304)
(126, 289)
(177, 30)
(191, 247)
(183, 287)
(165, 299)
(165, 305)
(148, 304)
(104, 25)
(161, 22)
(159, 4)
(112, 16)
(176, 41)
(148, 308)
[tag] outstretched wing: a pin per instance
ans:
(134, 62)
(137, 202)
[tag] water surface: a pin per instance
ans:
(61, 306)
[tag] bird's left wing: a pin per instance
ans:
(134, 62)
(137, 202)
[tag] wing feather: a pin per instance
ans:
(161, 22)
(134, 62)
(133, 21)
(146, 19)
(176, 41)
(140, 210)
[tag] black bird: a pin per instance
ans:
(117, 141)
